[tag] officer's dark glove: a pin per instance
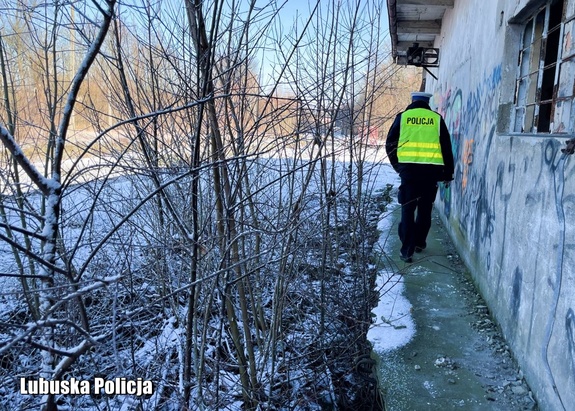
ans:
(447, 179)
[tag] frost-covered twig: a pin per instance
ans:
(15, 150)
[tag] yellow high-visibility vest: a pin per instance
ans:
(419, 137)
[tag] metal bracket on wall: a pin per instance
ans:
(423, 57)
(432, 75)
(570, 149)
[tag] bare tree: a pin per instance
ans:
(176, 208)
(49, 183)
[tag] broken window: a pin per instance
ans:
(546, 71)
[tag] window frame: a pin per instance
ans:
(531, 73)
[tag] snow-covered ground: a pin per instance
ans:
(87, 220)
(393, 324)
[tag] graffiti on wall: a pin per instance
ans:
(484, 202)
(470, 119)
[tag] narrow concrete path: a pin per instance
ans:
(457, 359)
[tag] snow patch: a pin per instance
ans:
(393, 325)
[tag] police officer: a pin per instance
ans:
(419, 149)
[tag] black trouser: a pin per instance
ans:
(413, 229)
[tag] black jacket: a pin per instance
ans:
(408, 171)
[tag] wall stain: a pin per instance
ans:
(570, 329)
(516, 294)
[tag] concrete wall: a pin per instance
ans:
(511, 208)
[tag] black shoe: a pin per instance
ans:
(419, 249)
(407, 259)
